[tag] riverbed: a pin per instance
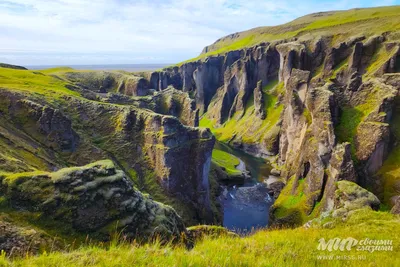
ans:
(246, 207)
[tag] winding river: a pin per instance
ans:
(246, 207)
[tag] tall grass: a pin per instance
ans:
(284, 247)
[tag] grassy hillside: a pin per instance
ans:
(341, 24)
(248, 127)
(287, 247)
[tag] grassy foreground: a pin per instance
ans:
(287, 247)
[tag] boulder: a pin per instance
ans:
(96, 198)
(350, 196)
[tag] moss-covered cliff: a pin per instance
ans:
(320, 95)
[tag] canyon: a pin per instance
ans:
(315, 107)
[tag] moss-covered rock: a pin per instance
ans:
(93, 198)
(350, 196)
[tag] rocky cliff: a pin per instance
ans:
(56, 126)
(93, 198)
(325, 106)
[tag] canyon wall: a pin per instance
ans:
(336, 107)
(157, 153)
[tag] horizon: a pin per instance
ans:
(134, 67)
(66, 33)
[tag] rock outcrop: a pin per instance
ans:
(9, 66)
(92, 198)
(350, 196)
(105, 82)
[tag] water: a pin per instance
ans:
(246, 207)
(108, 67)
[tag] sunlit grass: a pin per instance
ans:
(285, 247)
(370, 21)
(227, 161)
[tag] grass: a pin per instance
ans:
(286, 247)
(352, 116)
(340, 24)
(33, 82)
(227, 161)
(249, 128)
(390, 170)
(378, 59)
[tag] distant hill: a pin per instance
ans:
(9, 66)
(343, 24)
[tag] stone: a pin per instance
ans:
(259, 101)
(396, 207)
(93, 198)
(350, 196)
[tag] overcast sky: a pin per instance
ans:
(67, 32)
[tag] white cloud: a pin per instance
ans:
(124, 31)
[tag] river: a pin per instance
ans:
(246, 207)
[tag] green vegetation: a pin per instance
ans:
(378, 59)
(340, 24)
(285, 247)
(292, 202)
(249, 128)
(390, 171)
(32, 82)
(226, 161)
(349, 121)
(339, 67)
(352, 116)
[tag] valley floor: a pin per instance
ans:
(287, 247)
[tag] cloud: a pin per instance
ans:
(123, 31)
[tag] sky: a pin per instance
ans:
(73, 32)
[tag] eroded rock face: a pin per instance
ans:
(151, 148)
(92, 198)
(325, 88)
(178, 104)
(259, 101)
(232, 76)
(338, 101)
(104, 82)
(50, 123)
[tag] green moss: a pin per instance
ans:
(352, 116)
(380, 57)
(15, 179)
(249, 128)
(390, 170)
(65, 172)
(226, 161)
(291, 205)
(271, 85)
(307, 115)
(339, 67)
